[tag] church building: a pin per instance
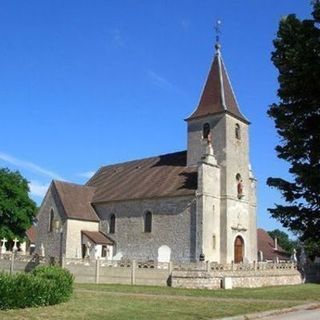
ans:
(198, 204)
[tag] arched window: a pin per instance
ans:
(51, 220)
(148, 222)
(237, 131)
(206, 130)
(112, 225)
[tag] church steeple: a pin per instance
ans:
(217, 96)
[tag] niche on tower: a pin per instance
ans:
(240, 194)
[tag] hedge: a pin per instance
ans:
(46, 285)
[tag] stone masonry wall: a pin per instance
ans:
(195, 141)
(50, 240)
(239, 279)
(240, 213)
(173, 225)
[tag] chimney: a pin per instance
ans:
(275, 243)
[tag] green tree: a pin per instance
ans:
(297, 120)
(283, 240)
(17, 210)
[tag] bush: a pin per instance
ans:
(44, 286)
(61, 282)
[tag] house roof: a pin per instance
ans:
(31, 233)
(76, 200)
(164, 175)
(266, 245)
(218, 96)
(97, 237)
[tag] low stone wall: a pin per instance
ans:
(195, 280)
(236, 279)
(183, 275)
(129, 272)
(13, 263)
(200, 275)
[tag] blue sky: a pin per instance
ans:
(89, 83)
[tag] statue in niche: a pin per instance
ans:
(209, 149)
(239, 186)
(240, 189)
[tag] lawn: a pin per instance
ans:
(141, 302)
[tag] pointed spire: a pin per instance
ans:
(218, 95)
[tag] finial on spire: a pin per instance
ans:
(218, 32)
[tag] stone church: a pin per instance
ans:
(198, 204)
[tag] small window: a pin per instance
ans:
(51, 220)
(206, 130)
(213, 242)
(148, 222)
(112, 225)
(104, 251)
(237, 131)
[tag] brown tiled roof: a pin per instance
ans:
(164, 175)
(76, 200)
(217, 96)
(266, 245)
(32, 234)
(97, 237)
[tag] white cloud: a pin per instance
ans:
(38, 189)
(159, 80)
(29, 166)
(185, 24)
(117, 37)
(87, 174)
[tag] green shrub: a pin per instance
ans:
(44, 286)
(61, 281)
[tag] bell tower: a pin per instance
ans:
(230, 220)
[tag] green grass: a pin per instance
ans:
(141, 302)
(299, 292)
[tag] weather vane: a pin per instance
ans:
(218, 31)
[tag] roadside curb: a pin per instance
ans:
(260, 315)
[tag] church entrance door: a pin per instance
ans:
(238, 249)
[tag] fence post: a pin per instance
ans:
(63, 261)
(12, 262)
(133, 272)
(207, 265)
(255, 265)
(97, 273)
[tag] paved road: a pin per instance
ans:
(313, 314)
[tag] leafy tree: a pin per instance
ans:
(297, 120)
(17, 210)
(283, 240)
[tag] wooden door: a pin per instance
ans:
(238, 249)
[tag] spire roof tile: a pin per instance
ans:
(218, 96)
